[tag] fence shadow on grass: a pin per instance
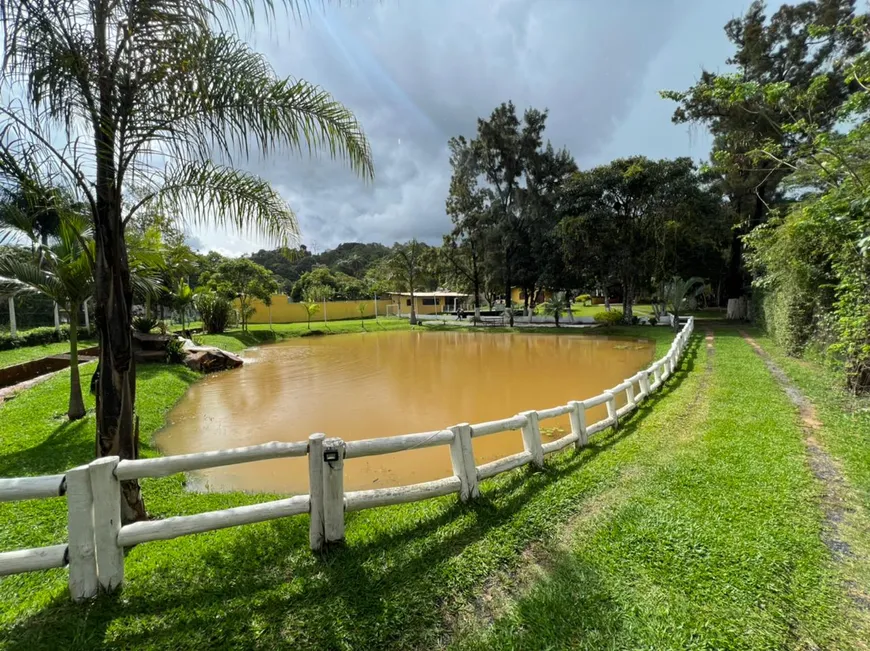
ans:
(385, 588)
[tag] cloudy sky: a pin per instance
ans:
(416, 72)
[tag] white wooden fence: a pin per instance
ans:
(94, 551)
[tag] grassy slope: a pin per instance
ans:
(713, 544)
(20, 355)
(707, 543)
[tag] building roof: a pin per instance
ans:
(432, 294)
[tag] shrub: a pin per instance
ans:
(652, 320)
(175, 353)
(144, 324)
(584, 299)
(215, 310)
(608, 318)
(38, 337)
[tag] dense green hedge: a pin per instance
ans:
(38, 337)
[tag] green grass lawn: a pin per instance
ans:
(695, 525)
(28, 353)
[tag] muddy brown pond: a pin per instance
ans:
(383, 384)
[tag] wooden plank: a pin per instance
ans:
(494, 468)
(333, 490)
(183, 525)
(163, 466)
(554, 412)
(31, 488)
(559, 444)
(32, 560)
(83, 582)
(316, 536)
(106, 490)
(390, 444)
(359, 500)
(496, 426)
(462, 460)
(532, 438)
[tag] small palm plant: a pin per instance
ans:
(62, 271)
(677, 291)
(557, 304)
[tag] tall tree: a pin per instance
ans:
(795, 45)
(154, 95)
(409, 268)
(243, 280)
(502, 149)
(465, 246)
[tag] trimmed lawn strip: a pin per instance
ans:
(28, 353)
(717, 547)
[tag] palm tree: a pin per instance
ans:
(62, 271)
(677, 290)
(557, 304)
(182, 298)
(108, 96)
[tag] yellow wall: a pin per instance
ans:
(285, 312)
(518, 297)
(443, 303)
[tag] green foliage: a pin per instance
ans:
(38, 337)
(343, 286)
(175, 351)
(215, 310)
(584, 299)
(609, 318)
(349, 258)
(556, 305)
(144, 324)
(242, 280)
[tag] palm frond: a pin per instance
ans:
(208, 194)
(29, 274)
(218, 92)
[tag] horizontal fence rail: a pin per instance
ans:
(96, 540)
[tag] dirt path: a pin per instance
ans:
(839, 502)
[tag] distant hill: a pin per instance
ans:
(351, 258)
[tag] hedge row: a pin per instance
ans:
(38, 337)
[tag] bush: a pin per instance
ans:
(144, 324)
(215, 310)
(584, 299)
(38, 337)
(652, 320)
(608, 318)
(175, 353)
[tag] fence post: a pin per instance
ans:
(578, 423)
(106, 490)
(532, 438)
(333, 490)
(13, 325)
(629, 393)
(80, 531)
(657, 372)
(315, 491)
(611, 408)
(644, 384)
(462, 458)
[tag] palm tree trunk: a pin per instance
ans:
(76, 408)
(117, 434)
